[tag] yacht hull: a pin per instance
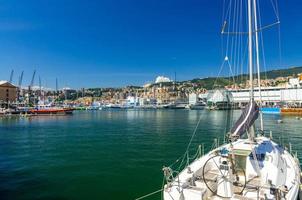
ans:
(279, 174)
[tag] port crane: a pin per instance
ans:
(30, 88)
(40, 90)
(11, 76)
(19, 85)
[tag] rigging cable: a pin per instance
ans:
(262, 42)
(155, 192)
(192, 137)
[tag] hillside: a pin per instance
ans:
(209, 82)
(282, 72)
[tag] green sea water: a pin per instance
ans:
(109, 155)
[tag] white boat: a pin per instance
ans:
(197, 106)
(243, 169)
(93, 108)
(253, 167)
(118, 106)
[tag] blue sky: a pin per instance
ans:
(125, 42)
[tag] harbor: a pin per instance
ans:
(87, 154)
(151, 100)
(280, 99)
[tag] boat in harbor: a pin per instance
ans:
(291, 111)
(197, 106)
(271, 110)
(94, 106)
(250, 165)
(80, 108)
(50, 110)
(113, 106)
(3, 111)
(175, 106)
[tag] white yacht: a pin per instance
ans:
(250, 165)
(255, 168)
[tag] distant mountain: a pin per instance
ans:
(213, 82)
(272, 74)
(219, 82)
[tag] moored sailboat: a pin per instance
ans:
(255, 167)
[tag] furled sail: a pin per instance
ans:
(246, 120)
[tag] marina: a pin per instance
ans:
(151, 100)
(249, 164)
(84, 155)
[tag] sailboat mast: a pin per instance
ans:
(257, 62)
(250, 41)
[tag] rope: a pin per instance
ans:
(162, 186)
(182, 157)
(220, 70)
(275, 8)
(155, 192)
(194, 133)
(262, 42)
(150, 194)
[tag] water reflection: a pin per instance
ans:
(92, 149)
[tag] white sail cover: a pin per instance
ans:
(246, 120)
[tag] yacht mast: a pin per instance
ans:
(250, 37)
(257, 62)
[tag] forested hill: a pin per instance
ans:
(220, 82)
(272, 74)
(209, 82)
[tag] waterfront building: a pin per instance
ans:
(219, 99)
(8, 93)
(193, 98)
(270, 95)
(132, 101)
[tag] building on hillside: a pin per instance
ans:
(132, 101)
(69, 93)
(8, 93)
(162, 79)
(295, 82)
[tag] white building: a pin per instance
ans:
(269, 94)
(162, 79)
(147, 101)
(132, 101)
(294, 83)
(220, 95)
(193, 98)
